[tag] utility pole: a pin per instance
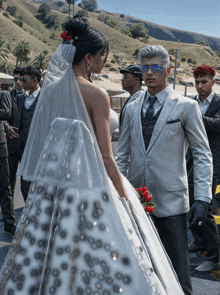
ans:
(73, 6)
(174, 80)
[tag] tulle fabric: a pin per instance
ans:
(59, 97)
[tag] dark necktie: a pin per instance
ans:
(150, 110)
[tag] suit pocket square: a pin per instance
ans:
(173, 121)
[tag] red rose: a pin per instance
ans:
(68, 37)
(144, 188)
(65, 36)
(149, 209)
(141, 189)
(136, 189)
(146, 196)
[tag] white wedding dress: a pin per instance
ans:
(76, 236)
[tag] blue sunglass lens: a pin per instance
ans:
(154, 68)
(144, 69)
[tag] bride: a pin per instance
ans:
(77, 234)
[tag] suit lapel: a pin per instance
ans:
(212, 105)
(137, 119)
(168, 106)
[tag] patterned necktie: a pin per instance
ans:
(150, 110)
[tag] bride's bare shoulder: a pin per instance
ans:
(93, 93)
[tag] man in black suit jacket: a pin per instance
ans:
(5, 190)
(11, 128)
(30, 77)
(206, 234)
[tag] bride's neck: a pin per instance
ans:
(80, 71)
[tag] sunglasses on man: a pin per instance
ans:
(17, 78)
(154, 68)
(24, 80)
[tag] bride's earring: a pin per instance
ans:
(89, 65)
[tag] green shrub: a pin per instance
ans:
(18, 23)
(83, 12)
(183, 59)
(52, 36)
(126, 32)
(6, 14)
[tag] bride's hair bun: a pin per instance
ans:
(85, 38)
(76, 26)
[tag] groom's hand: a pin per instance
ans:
(198, 212)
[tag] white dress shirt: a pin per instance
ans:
(205, 104)
(29, 99)
(161, 97)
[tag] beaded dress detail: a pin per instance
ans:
(75, 235)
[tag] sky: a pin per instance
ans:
(199, 16)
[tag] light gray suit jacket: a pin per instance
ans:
(162, 167)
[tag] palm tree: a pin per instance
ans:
(41, 61)
(3, 51)
(1, 3)
(6, 67)
(71, 2)
(21, 51)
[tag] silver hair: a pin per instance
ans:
(155, 51)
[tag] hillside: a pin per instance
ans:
(40, 36)
(165, 33)
(156, 31)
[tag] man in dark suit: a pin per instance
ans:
(5, 190)
(206, 234)
(11, 128)
(30, 77)
(131, 82)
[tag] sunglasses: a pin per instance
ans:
(24, 80)
(16, 79)
(127, 77)
(154, 68)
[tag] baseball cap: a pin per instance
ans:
(133, 69)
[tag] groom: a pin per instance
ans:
(158, 126)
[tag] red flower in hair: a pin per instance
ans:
(65, 36)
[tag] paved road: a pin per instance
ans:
(202, 284)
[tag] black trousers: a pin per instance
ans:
(13, 167)
(206, 235)
(25, 185)
(6, 201)
(173, 233)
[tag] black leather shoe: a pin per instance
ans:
(194, 248)
(207, 266)
(10, 231)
